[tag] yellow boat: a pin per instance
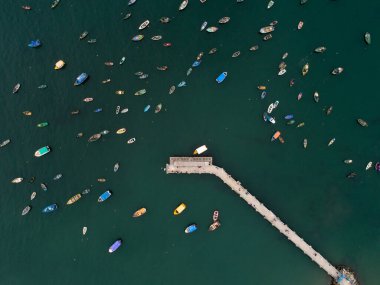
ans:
(27, 113)
(119, 92)
(73, 199)
(181, 207)
(139, 213)
(261, 87)
(121, 131)
(200, 150)
(59, 64)
(305, 69)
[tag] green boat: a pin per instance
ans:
(42, 151)
(41, 125)
(367, 38)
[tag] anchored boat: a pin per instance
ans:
(221, 77)
(59, 64)
(115, 246)
(81, 79)
(200, 150)
(42, 151)
(139, 213)
(181, 207)
(191, 228)
(50, 208)
(104, 196)
(73, 199)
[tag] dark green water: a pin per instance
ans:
(306, 188)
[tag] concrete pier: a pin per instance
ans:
(204, 165)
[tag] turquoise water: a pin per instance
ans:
(306, 188)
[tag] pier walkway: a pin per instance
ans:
(203, 165)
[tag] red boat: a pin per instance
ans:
(215, 216)
(167, 44)
(26, 8)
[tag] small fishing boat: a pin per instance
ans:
(267, 29)
(215, 215)
(203, 26)
(196, 63)
(274, 23)
(320, 49)
(282, 71)
(162, 68)
(127, 16)
(44, 186)
(26, 8)
(146, 108)
(348, 161)
(212, 29)
(59, 64)
(84, 230)
(281, 139)
(181, 207)
(50, 208)
(337, 70)
(5, 142)
(362, 122)
(122, 60)
(156, 38)
(106, 81)
(17, 180)
(73, 199)
(285, 55)
(139, 213)
(300, 25)
(41, 125)
(81, 79)
(369, 165)
(132, 140)
(183, 5)
(316, 97)
(116, 244)
(181, 84)
(224, 20)
(299, 96)
(119, 92)
(305, 143)
(104, 196)
(43, 86)
(108, 63)
(200, 150)
(57, 177)
(116, 167)
(367, 38)
(26, 210)
(83, 35)
(88, 99)
(221, 77)
(191, 228)
(236, 54)
(214, 226)
(167, 44)
(171, 90)
(16, 88)
(121, 131)
(305, 69)
(94, 137)
(261, 87)
(164, 20)
(267, 37)
(270, 4)
(55, 3)
(331, 141)
(27, 113)
(34, 44)
(140, 92)
(101, 180)
(212, 51)
(42, 151)
(144, 25)
(329, 110)
(158, 108)
(254, 48)
(137, 38)
(91, 41)
(33, 196)
(189, 71)
(275, 136)
(125, 110)
(131, 2)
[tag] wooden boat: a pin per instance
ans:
(215, 215)
(119, 92)
(17, 180)
(132, 140)
(212, 51)
(320, 49)
(172, 89)
(183, 5)
(83, 35)
(337, 70)
(88, 99)
(331, 142)
(362, 122)
(139, 213)
(137, 38)
(214, 226)
(200, 150)
(5, 142)
(316, 97)
(224, 20)
(158, 108)
(367, 38)
(26, 210)
(121, 131)
(94, 137)
(156, 38)
(84, 230)
(236, 54)
(33, 196)
(140, 92)
(104, 196)
(304, 143)
(369, 165)
(300, 25)
(305, 69)
(74, 199)
(267, 37)
(108, 63)
(27, 113)
(275, 136)
(267, 29)
(212, 29)
(254, 48)
(200, 55)
(16, 88)
(55, 3)
(191, 228)
(144, 25)
(42, 151)
(180, 208)
(59, 64)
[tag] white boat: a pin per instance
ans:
(117, 110)
(267, 29)
(122, 60)
(369, 165)
(200, 149)
(17, 180)
(270, 108)
(183, 5)
(144, 25)
(285, 55)
(84, 230)
(270, 4)
(33, 195)
(203, 26)
(132, 140)
(272, 120)
(275, 104)
(125, 110)
(282, 72)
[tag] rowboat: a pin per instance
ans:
(299, 96)
(146, 108)
(81, 79)
(305, 69)
(83, 35)
(116, 244)
(337, 70)
(33, 195)
(73, 199)
(104, 196)
(331, 141)
(215, 225)
(316, 97)
(144, 25)
(84, 230)
(94, 137)
(212, 29)
(158, 108)
(300, 25)
(200, 150)
(300, 125)
(59, 64)
(121, 131)
(305, 143)
(116, 167)
(88, 99)
(26, 210)
(16, 88)
(263, 94)
(362, 122)
(191, 228)
(329, 110)
(55, 3)
(17, 180)
(236, 54)
(320, 49)
(132, 140)
(221, 77)
(181, 207)
(162, 68)
(5, 142)
(203, 26)
(273, 23)
(137, 38)
(27, 113)
(172, 89)
(267, 29)
(367, 38)
(188, 72)
(26, 8)
(183, 5)
(275, 136)
(167, 44)
(224, 20)
(140, 92)
(50, 208)
(42, 151)
(215, 216)
(369, 165)
(139, 213)
(122, 60)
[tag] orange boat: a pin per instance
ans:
(261, 87)
(139, 212)
(275, 136)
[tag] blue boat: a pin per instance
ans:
(147, 107)
(182, 84)
(98, 110)
(115, 246)
(289, 117)
(191, 228)
(104, 196)
(221, 77)
(50, 208)
(196, 63)
(34, 44)
(80, 79)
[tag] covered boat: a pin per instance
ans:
(81, 79)
(139, 213)
(191, 228)
(115, 246)
(200, 149)
(50, 208)
(73, 199)
(221, 77)
(59, 64)
(181, 207)
(276, 136)
(104, 196)
(42, 151)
